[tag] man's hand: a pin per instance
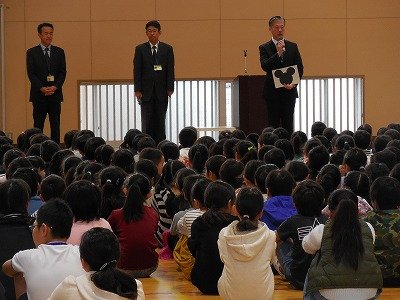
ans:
(139, 96)
(289, 86)
(48, 91)
(280, 47)
(169, 93)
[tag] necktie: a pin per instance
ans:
(47, 57)
(154, 54)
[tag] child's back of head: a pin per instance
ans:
(298, 170)
(187, 137)
(385, 193)
(260, 177)
(308, 197)
(280, 183)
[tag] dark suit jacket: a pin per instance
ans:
(270, 60)
(145, 78)
(37, 72)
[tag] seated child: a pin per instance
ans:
(53, 260)
(308, 197)
(99, 251)
(218, 197)
(246, 248)
(345, 266)
(279, 205)
(385, 197)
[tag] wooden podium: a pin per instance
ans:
(249, 111)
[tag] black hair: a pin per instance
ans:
(339, 195)
(355, 159)
(147, 167)
(282, 133)
(310, 144)
(57, 159)
(298, 139)
(396, 151)
(267, 129)
(344, 142)
(91, 146)
(52, 186)
(317, 128)
(329, 133)
(36, 161)
(216, 148)
(245, 151)
(275, 18)
(139, 186)
(375, 170)
(229, 147)
(198, 190)
(346, 234)
(33, 150)
(385, 156)
(267, 138)
(68, 138)
(124, 159)
(394, 134)
(23, 138)
(380, 142)
(232, 172)
(111, 181)
(83, 197)
(3, 150)
(146, 142)
(38, 138)
(80, 142)
(170, 168)
(264, 149)
(214, 163)
(337, 157)
(224, 134)
(250, 169)
(308, 197)
(347, 132)
(19, 162)
(58, 216)
(135, 141)
(286, 147)
(180, 177)
(170, 150)
(395, 126)
(260, 177)
(188, 182)
(153, 23)
(68, 163)
(155, 155)
(362, 139)
(91, 171)
(78, 170)
(324, 141)
(358, 183)
(128, 138)
(253, 138)
(275, 156)
(249, 203)
(187, 136)
(218, 194)
(30, 176)
(198, 155)
(99, 248)
(317, 158)
(103, 154)
(14, 197)
(365, 127)
(298, 170)
(206, 141)
(238, 134)
(329, 178)
(40, 26)
(47, 150)
(385, 192)
(280, 183)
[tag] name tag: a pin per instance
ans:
(50, 78)
(157, 67)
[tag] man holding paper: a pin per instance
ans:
(276, 54)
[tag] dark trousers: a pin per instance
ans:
(153, 114)
(280, 113)
(53, 109)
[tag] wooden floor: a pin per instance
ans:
(167, 284)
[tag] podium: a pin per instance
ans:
(249, 111)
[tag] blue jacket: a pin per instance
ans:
(276, 210)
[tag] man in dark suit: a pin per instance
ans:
(46, 69)
(154, 78)
(275, 54)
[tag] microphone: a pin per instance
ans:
(245, 61)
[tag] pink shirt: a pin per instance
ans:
(80, 227)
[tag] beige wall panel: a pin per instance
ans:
(322, 44)
(373, 9)
(57, 10)
(237, 36)
(113, 45)
(13, 10)
(255, 9)
(198, 57)
(15, 73)
(119, 10)
(377, 61)
(294, 9)
(187, 10)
